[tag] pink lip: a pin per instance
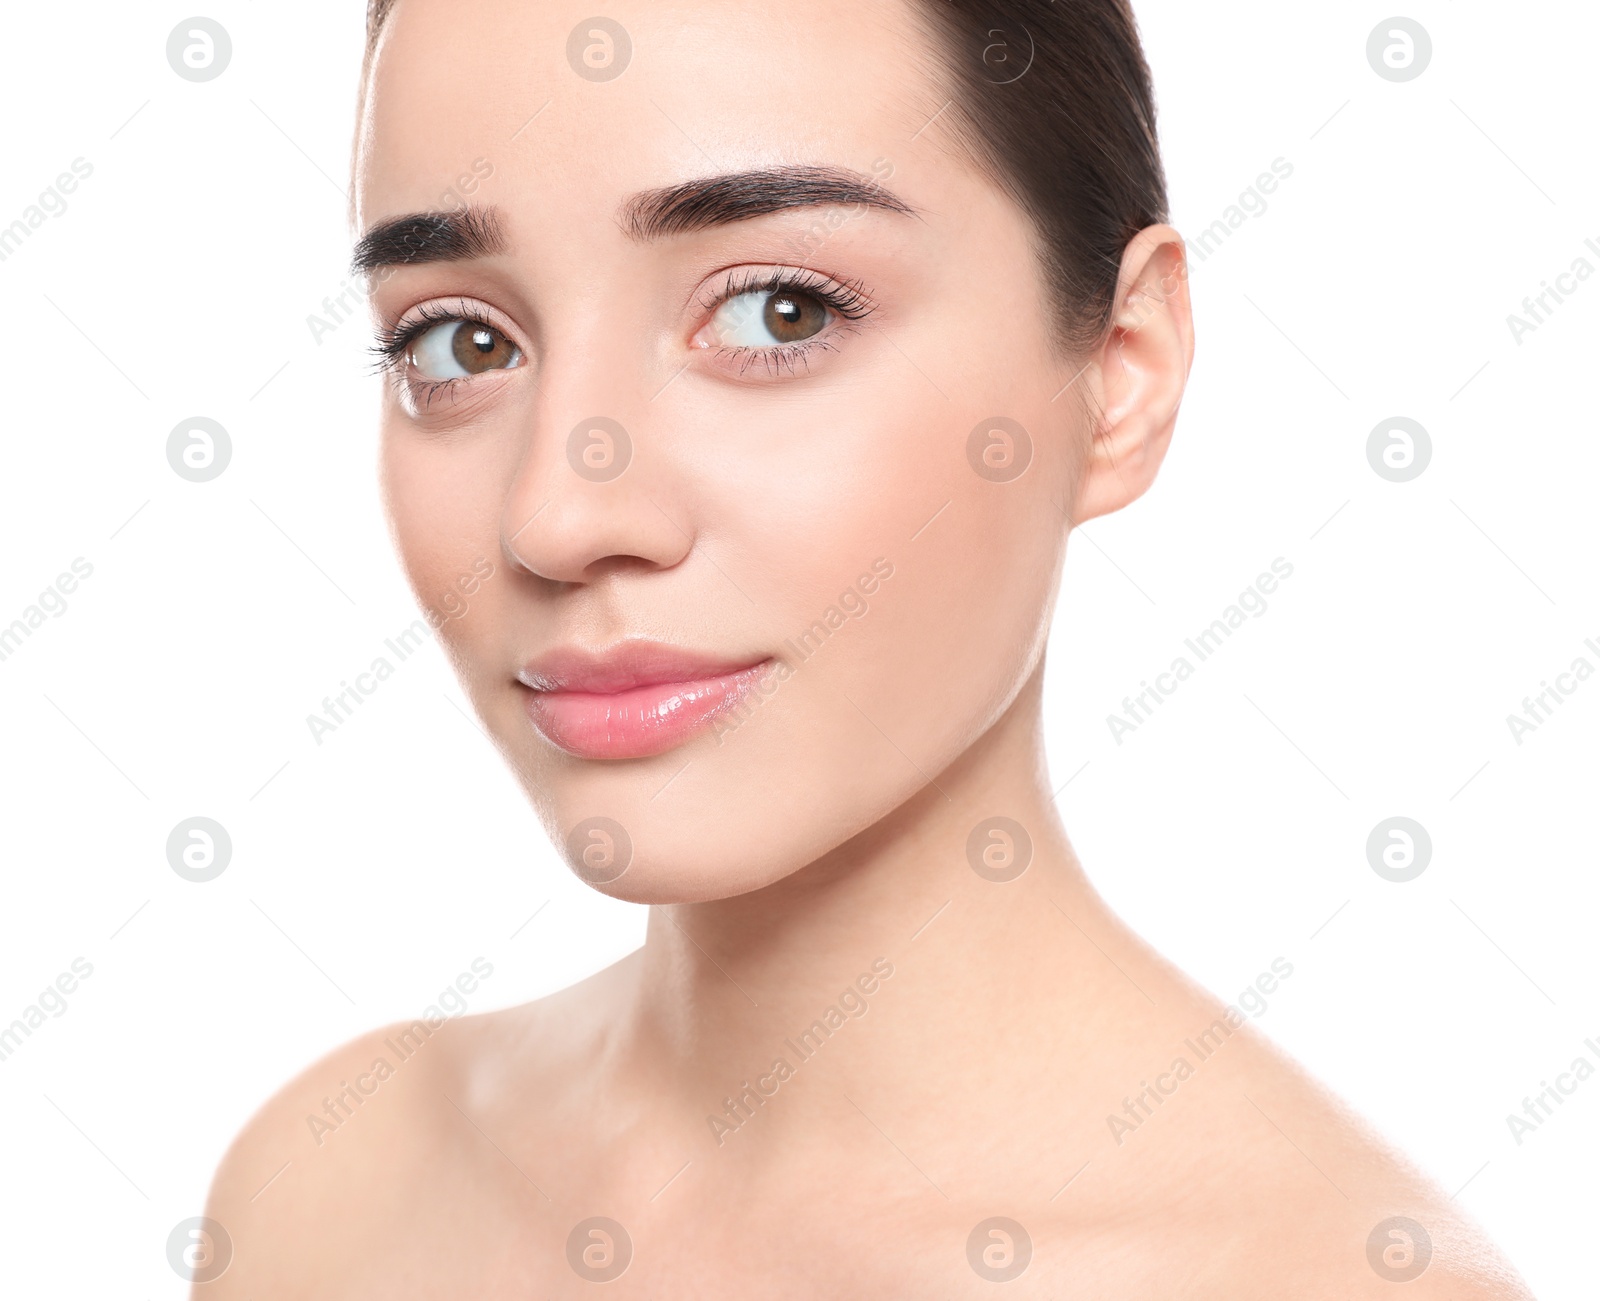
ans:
(637, 699)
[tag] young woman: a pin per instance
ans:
(757, 362)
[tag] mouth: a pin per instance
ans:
(634, 700)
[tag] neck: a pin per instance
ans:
(894, 957)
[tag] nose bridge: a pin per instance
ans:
(591, 483)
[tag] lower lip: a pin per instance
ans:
(641, 721)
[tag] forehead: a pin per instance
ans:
(566, 110)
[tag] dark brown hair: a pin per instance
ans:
(1052, 99)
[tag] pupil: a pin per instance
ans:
(484, 340)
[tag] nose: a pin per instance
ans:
(592, 492)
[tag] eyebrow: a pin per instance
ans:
(458, 236)
(739, 196)
(700, 204)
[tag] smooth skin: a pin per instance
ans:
(828, 831)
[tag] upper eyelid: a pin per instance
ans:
(457, 308)
(761, 275)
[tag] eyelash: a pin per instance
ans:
(394, 342)
(846, 298)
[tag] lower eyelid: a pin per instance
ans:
(782, 356)
(424, 397)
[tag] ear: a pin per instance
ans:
(1141, 370)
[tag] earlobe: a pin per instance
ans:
(1142, 368)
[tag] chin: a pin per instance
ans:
(706, 821)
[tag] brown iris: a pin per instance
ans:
(791, 317)
(479, 347)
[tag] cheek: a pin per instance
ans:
(889, 684)
(876, 704)
(957, 629)
(892, 479)
(441, 498)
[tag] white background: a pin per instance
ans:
(1230, 829)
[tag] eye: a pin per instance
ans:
(769, 319)
(779, 318)
(456, 349)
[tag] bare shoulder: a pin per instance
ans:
(1426, 1244)
(370, 1167)
(1487, 1281)
(1297, 1184)
(1231, 1166)
(1437, 1253)
(328, 1155)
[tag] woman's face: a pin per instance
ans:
(770, 499)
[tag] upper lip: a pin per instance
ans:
(626, 665)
